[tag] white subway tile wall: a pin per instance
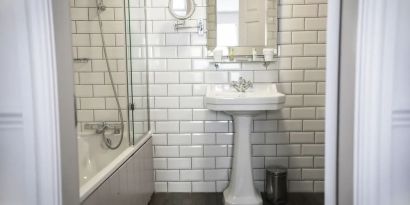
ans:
(94, 95)
(193, 145)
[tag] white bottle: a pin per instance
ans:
(254, 54)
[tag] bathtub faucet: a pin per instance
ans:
(100, 128)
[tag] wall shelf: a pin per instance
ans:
(242, 60)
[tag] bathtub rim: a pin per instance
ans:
(96, 181)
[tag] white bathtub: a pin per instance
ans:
(97, 163)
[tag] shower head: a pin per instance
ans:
(100, 6)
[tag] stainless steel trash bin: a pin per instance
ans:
(276, 185)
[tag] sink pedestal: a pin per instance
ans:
(241, 190)
(243, 106)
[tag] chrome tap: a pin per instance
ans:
(242, 85)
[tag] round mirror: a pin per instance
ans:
(181, 9)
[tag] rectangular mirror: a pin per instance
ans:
(242, 25)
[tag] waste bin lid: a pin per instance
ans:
(276, 170)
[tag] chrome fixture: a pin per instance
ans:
(101, 128)
(201, 30)
(107, 141)
(101, 6)
(242, 85)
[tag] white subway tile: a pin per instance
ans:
(319, 137)
(167, 127)
(179, 65)
(192, 175)
(92, 103)
(302, 137)
(313, 125)
(215, 150)
(313, 174)
(216, 77)
(216, 174)
(160, 187)
(289, 125)
(264, 126)
(319, 186)
(189, 51)
(156, 65)
(288, 150)
(180, 114)
(191, 151)
(166, 151)
(180, 90)
(315, 75)
(276, 161)
(166, 102)
(294, 174)
(314, 100)
(191, 102)
(290, 75)
(314, 50)
(223, 162)
(203, 163)
(179, 139)
(166, 77)
(203, 138)
(192, 77)
(263, 150)
(179, 187)
(203, 187)
(315, 24)
(191, 126)
(304, 37)
(277, 138)
(300, 162)
(319, 162)
(177, 39)
(179, 163)
(309, 10)
(224, 138)
(159, 139)
(158, 90)
(266, 76)
(216, 126)
(155, 13)
(204, 114)
(291, 24)
(304, 62)
(162, 52)
(160, 163)
(106, 115)
(313, 149)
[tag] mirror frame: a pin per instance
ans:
(272, 12)
(189, 14)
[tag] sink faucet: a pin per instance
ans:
(242, 85)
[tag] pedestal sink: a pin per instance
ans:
(243, 106)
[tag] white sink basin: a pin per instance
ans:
(242, 106)
(261, 97)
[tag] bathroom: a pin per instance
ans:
(234, 102)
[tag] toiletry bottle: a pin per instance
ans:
(231, 54)
(254, 54)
